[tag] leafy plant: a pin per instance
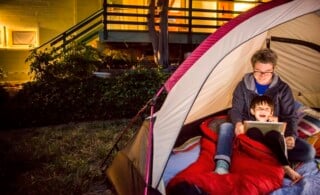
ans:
(40, 61)
(133, 89)
(76, 61)
(2, 74)
(117, 59)
(4, 96)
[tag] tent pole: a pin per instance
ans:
(150, 138)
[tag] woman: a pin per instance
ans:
(262, 81)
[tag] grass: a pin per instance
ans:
(62, 159)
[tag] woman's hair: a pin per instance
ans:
(264, 56)
(263, 99)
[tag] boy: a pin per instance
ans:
(262, 108)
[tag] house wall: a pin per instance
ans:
(47, 18)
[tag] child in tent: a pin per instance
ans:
(262, 108)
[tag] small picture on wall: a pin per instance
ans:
(23, 37)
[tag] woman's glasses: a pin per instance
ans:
(260, 73)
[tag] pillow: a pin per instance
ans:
(303, 110)
(311, 112)
(188, 145)
(181, 158)
(309, 122)
(308, 126)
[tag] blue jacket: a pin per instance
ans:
(278, 90)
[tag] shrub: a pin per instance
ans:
(2, 74)
(4, 96)
(77, 61)
(65, 90)
(133, 89)
(59, 101)
(71, 99)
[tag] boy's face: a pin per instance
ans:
(262, 112)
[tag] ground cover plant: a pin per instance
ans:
(63, 159)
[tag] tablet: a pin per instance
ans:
(265, 126)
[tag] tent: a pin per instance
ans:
(204, 82)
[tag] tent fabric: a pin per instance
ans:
(127, 170)
(206, 87)
(211, 40)
(124, 176)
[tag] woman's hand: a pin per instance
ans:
(290, 142)
(239, 128)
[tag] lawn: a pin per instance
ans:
(64, 159)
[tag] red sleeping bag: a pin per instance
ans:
(254, 169)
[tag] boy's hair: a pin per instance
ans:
(264, 56)
(263, 99)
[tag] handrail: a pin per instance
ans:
(114, 16)
(73, 29)
(76, 27)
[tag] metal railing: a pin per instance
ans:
(120, 17)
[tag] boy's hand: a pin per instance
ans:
(290, 142)
(239, 129)
(272, 119)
